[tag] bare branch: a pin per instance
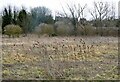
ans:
(64, 10)
(101, 10)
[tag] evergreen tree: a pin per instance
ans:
(15, 14)
(41, 15)
(6, 18)
(23, 21)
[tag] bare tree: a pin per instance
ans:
(76, 12)
(112, 12)
(100, 12)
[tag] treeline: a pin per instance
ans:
(39, 20)
(26, 20)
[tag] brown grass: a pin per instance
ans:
(60, 58)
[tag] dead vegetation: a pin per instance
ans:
(73, 58)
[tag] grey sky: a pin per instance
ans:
(54, 5)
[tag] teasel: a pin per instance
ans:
(84, 46)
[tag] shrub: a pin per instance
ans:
(44, 29)
(110, 31)
(107, 31)
(87, 30)
(13, 30)
(63, 28)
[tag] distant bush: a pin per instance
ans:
(44, 29)
(63, 29)
(13, 30)
(89, 30)
(107, 31)
(110, 31)
(86, 30)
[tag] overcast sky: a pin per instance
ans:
(54, 5)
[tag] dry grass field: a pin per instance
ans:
(68, 58)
